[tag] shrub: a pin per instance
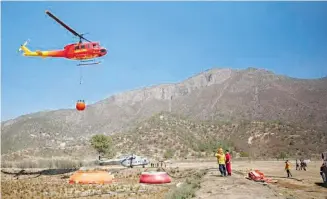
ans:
(282, 155)
(188, 188)
(169, 153)
(244, 154)
(103, 145)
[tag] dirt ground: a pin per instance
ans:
(303, 185)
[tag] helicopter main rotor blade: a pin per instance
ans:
(65, 26)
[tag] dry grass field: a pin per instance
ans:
(126, 185)
(189, 179)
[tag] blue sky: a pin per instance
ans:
(151, 43)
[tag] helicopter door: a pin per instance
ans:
(83, 51)
(76, 48)
(82, 47)
(90, 47)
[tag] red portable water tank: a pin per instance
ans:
(80, 105)
(155, 178)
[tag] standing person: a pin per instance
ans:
(323, 172)
(297, 164)
(287, 168)
(221, 161)
(228, 163)
(303, 165)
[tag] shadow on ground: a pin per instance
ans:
(39, 173)
(321, 184)
(216, 175)
(300, 180)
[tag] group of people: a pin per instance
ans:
(225, 167)
(224, 162)
(301, 165)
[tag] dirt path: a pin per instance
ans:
(233, 187)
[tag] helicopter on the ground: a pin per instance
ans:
(126, 161)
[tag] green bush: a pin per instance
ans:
(282, 155)
(211, 146)
(185, 191)
(169, 153)
(224, 145)
(103, 144)
(244, 154)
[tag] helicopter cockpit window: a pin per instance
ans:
(82, 46)
(76, 47)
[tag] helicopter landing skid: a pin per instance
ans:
(85, 64)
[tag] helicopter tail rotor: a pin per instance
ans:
(24, 48)
(23, 45)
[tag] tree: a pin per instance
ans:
(282, 155)
(103, 144)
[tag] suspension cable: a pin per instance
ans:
(80, 75)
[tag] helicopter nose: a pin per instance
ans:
(103, 51)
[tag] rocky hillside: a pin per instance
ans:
(165, 136)
(172, 135)
(217, 94)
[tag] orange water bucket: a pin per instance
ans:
(91, 177)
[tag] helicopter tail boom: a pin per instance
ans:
(38, 53)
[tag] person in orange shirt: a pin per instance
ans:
(287, 168)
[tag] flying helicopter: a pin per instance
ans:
(81, 51)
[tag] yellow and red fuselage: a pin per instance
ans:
(78, 51)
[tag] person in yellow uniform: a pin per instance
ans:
(221, 161)
(288, 169)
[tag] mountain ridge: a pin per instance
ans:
(219, 94)
(169, 84)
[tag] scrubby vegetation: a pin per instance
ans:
(126, 185)
(188, 188)
(168, 136)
